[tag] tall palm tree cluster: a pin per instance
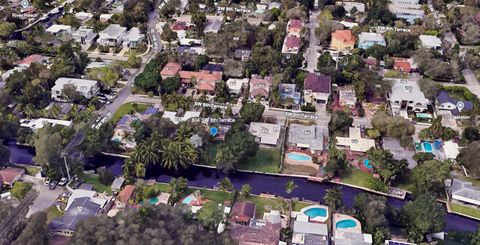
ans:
(171, 153)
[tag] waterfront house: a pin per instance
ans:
(317, 88)
(264, 231)
(305, 137)
(125, 196)
(9, 175)
(368, 39)
(309, 233)
(463, 192)
(242, 213)
(355, 142)
(267, 134)
(81, 209)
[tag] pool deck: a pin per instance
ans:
(308, 163)
(339, 217)
(318, 218)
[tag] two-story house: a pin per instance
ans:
(86, 88)
(406, 96)
(85, 36)
(343, 41)
(317, 88)
(112, 36)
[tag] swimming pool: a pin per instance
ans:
(316, 212)
(187, 200)
(153, 200)
(345, 224)
(367, 164)
(427, 147)
(298, 157)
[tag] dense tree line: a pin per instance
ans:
(155, 225)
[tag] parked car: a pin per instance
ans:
(52, 185)
(47, 181)
(63, 181)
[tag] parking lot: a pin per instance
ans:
(45, 198)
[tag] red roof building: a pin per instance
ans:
(179, 26)
(294, 27)
(403, 65)
(170, 69)
(243, 212)
(9, 175)
(125, 195)
(34, 58)
(260, 87)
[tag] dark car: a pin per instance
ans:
(52, 185)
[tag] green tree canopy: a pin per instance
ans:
(210, 215)
(385, 165)
(423, 215)
(252, 112)
(429, 177)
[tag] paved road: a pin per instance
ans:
(311, 54)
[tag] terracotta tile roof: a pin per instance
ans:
(295, 23)
(317, 83)
(186, 76)
(344, 36)
(402, 64)
(243, 211)
(171, 69)
(31, 59)
(206, 86)
(260, 86)
(126, 193)
(179, 26)
(293, 42)
(9, 175)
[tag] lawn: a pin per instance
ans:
(129, 108)
(264, 204)
(298, 205)
(266, 160)
(97, 186)
(211, 153)
(299, 169)
(356, 177)
(52, 213)
(465, 210)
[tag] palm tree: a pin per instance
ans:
(225, 184)
(290, 186)
(184, 132)
(140, 170)
(333, 198)
(246, 190)
(147, 152)
(177, 154)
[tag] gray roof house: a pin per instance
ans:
(446, 102)
(310, 137)
(85, 36)
(266, 133)
(133, 38)
(117, 184)
(463, 191)
(81, 209)
(112, 35)
(307, 233)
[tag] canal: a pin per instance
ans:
(204, 177)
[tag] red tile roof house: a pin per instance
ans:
(170, 69)
(124, 196)
(291, 45)
(317, 88)
(294, 27)
(260, 87)
(404, 65)
(9, 175)
(34, 58)
(242, 213)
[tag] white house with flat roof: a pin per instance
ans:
(38, 123)
(307, 137)
(355, 142)
(86, 88)
(85, 36)
(451, 150)
(266, 133)
(430, 42)
(463, 191)
(59, 30)
(308, 233)
(406, 10)
(406, 96)
(235, 85)
(133, 38)
(112, 36)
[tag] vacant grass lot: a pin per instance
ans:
(356, 177)
(465, 210)
(266, 160)
(97, 186)
(129, 108)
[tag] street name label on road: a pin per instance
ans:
(211, 105)
(301, 115)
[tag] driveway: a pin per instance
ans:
(311, 54)
(45, 198)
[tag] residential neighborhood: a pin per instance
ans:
(269, 122)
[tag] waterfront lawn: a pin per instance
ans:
(356, 177)
(298, 205)
(266, 160)
(129, 108)
(299, 169)
(465, 210)
(97, 185)
(264, 204)
(211, 154)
